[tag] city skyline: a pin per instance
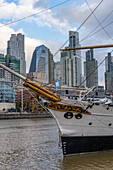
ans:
(71, 45)
(52, 26)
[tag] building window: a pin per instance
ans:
(43, 51)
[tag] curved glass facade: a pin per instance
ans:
(40, 62)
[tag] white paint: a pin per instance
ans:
(100, 118)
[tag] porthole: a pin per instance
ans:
(90, 123)
(78, 116)
(68, 115)
(110, 124)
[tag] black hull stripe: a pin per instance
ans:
(84, 144)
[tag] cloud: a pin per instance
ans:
(41, 4)
(63, 19)
(7, 10)
(76, 14)
(73, 14)
(26, 2)
(51, 21)
(5, 33)
(28, 7)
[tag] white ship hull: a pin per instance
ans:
(81, 132)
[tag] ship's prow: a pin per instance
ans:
(84, 126)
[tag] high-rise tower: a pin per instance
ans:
(109, 73)
(15, 47)
(42, 65)
(71, 69)
(91, 70)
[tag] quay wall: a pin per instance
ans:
(24, 115)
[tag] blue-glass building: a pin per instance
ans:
(42, 65)
(7, 80)
(7, 94)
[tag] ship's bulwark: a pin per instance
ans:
(85, 144)
(65, 108)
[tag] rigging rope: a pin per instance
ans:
(99, 21)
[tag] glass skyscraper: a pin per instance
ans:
(42, 65)
(13, 63)
(7, 94)
(2, 71)
(7, 80)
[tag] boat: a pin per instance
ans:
(84, 125)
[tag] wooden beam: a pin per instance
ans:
(89, 47)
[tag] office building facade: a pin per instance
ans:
(7, 94)
(109, 73)
(71, 69)
(7, 81)
(57, 70)
(42, 65)
(2, 71)
(15, 47)
(91, 70)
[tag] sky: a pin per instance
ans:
(52, 23)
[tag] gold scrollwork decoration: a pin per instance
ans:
(65, 108)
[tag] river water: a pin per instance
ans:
(32, 144)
